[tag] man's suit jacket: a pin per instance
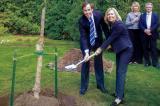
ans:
(118, 38)
(154, 24)
(84, 28)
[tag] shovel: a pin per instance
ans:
(74, 66)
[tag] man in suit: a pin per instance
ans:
(148, 24)
(91, 24)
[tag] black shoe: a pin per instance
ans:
(157, 66)
(113, 94)
(117, 104)
(147, 65)
(102, 89)
(82, 92)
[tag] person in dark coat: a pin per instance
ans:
(122, 46)
(91, 25)
(148, 23)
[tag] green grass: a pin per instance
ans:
(142, 84)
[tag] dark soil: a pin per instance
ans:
(4, 100)
(74, 55)
(46, 99)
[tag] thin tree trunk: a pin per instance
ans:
(39, 49)
(86, 0)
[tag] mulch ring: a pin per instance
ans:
(46, 99)
(73, 56)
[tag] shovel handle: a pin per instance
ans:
(84, 59)
(91, 56)
(80, 62)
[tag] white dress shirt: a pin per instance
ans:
(148, 20)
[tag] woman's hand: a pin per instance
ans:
(98, 51)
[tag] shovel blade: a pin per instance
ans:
(71, 67)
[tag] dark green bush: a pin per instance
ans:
(61, 15)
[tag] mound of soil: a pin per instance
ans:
(74, 55)
(4, 100)
(46, 99)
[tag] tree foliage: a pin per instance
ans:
(23, 16)
(61, 15)
(3, 19)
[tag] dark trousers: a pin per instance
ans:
(122, 60)
(135, 37)
(98, 66)
(150, 50)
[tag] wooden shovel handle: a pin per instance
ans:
(84, 60)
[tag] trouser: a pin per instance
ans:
(150, 50)
(135, 37)
(122, 60)
(98, 66)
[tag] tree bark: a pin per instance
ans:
(39, 50)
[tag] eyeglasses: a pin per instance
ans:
(148, 7)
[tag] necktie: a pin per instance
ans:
(92, 32)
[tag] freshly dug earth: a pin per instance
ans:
(46, 99)
(4, 100)
(74, 55)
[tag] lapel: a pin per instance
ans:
(95, 18)
(145, 19)
(152, 19)
(86, 22)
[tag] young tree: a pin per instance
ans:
(39, 49)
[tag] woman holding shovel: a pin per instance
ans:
(122, 46)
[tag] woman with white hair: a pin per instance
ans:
(132, 21)
(122, 46)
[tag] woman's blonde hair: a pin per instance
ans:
(135, 3)
(118, 17)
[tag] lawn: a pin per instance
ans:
(142, 84)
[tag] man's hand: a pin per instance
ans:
(148, 32)
(86, 57)
(98, 51)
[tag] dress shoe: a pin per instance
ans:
(157, 66)
(82, 92)
(102, 89)
(113, 94)
(135, 62)
(147, 65)
(117, 102)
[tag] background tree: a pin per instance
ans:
(62, 15)
(3, 19)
